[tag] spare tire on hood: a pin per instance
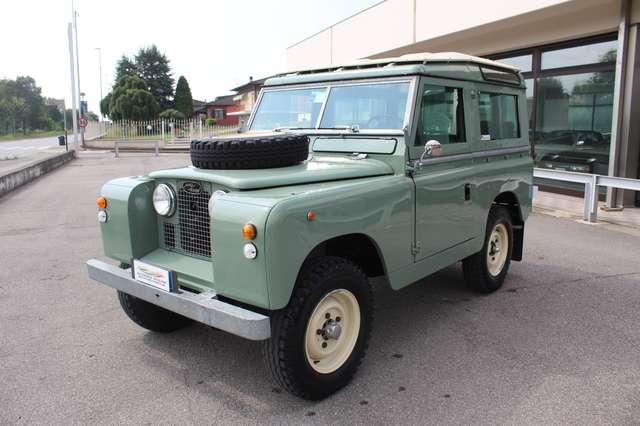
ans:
(252, 152)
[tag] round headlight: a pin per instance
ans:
(164, 200)
(217, 194)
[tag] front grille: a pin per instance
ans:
(187, 231)
(169, 235)
(193, 216)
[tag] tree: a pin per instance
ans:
(14, 110)
(171, 114)
(183, 99)
(153, 68)
(132, 101)
(125, 68)
(104, 104)
(24, 104)
(53, 113)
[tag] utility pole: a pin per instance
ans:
(100, 68)
(74, 111)
(75, 30)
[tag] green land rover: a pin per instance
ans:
(394, 168)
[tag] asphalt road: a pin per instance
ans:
(29, 145)
(18, 153)
(559, 343)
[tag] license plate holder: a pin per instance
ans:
(155, 276)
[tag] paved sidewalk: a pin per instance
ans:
(573, 207)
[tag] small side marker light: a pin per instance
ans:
(249, 232)
(311, 216)
(101, 202)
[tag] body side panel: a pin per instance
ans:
(380, 208)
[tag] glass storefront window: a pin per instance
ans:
(529, 91)
(573, 122)
(523, 62)
(603, 52)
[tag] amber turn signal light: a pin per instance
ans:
(311, 216)
(249, 231)
(102, 202)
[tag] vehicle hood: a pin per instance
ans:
(317, 169)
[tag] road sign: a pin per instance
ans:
(82, 122)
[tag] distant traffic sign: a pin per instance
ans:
(82, 122)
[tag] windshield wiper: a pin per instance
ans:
(354, 128)
(286, 128)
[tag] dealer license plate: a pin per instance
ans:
(154, 276)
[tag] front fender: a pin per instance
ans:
(131, 227)
(380, 208)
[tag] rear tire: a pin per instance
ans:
(151, 317)
(486, 270)
(307, 354)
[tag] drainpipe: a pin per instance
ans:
(618, 99)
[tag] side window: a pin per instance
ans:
(441, 115)
(498, 116)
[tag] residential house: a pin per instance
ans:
(247, 95)
(199, 109)
(222, 109)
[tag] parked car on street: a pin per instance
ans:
(394, 168)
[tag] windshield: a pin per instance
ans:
(297, 108)
(362, 106)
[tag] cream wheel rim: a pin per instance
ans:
(497, 249)
(332, 331)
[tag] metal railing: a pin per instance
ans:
(591, 184)
(164, 130)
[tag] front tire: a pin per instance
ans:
(151, 317)
(319, 340)
(486, 270)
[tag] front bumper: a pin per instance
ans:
(201, 307)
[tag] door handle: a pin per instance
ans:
(467, 191)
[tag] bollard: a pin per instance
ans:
(157, 148)
(115, 144)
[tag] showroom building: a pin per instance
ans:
(580, 60)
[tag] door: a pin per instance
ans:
(443, 183)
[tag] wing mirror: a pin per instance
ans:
(432, 148)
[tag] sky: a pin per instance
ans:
(215, 44)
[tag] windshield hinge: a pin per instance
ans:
(358, 156)
(416, 247)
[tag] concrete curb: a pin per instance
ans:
(32, 171)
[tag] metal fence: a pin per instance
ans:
(165, 130)
(591, 184)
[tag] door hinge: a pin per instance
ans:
(416, 247)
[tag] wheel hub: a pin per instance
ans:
(332, 331)
(497, 249)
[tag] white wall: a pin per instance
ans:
(477, 27)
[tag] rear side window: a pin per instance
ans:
(441, 115)
(498, 116)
